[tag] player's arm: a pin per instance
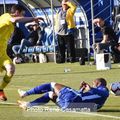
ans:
(102, 92)
(82, 87)
(26, 19)
(72, 6)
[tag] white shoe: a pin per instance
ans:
(21, 93)
(23, 104)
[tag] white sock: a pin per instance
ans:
(53, 85)
(50, 94)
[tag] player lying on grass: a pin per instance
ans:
(7, 22)
(63, 95)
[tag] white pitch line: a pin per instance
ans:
(100, 115)
(85, 113)
(8, 103)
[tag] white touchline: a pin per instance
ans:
(7, 103)
(85, 113)
(100, 115)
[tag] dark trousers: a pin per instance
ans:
(66, 42)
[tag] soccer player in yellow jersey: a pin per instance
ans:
(7, 22)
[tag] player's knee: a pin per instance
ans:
(51, 94)
(10, 69)
(53, 85)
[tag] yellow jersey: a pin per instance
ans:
(6, 30)
(69, 17)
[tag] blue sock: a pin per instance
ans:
(40, 101)
(40, 89)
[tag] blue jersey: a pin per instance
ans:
(96, 95)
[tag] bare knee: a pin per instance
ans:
(58, 87)
(52, 96)
(10, 69)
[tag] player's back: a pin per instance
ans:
(96, 95)
(6, 29)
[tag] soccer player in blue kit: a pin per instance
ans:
(63, 95)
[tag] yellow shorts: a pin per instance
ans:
(4, 60)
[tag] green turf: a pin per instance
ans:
(30, 75)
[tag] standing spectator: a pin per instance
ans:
(65, 26)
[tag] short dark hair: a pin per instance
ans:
(103, 81)
(17, 7)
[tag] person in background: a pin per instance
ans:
(7, 23)
(109, 36)
(31, 40)
(66, 97)
(65, 26)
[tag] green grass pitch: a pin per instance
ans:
(33, 74)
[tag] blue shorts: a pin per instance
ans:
(68, 96)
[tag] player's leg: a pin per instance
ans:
(37, 90)
(42, 89)
(9, 67)
(57, 88)
(39, 101)
(51, 91)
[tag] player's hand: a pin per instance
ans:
(82, 85)
(38, 19)
(88, 87)
(64, 2)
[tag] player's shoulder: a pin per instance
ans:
(103, 88)
(5, 15)
(5, 18)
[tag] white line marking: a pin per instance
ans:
(8, 103)
(85, 113)
(100, 115)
